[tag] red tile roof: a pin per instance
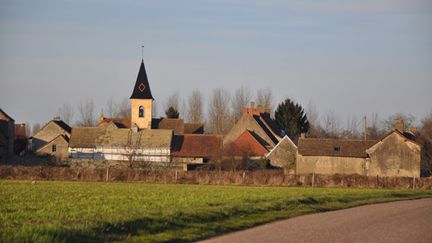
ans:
(197, 145)
(248, 143)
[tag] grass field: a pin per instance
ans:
(94, 211)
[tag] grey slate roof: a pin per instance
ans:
(142, 86)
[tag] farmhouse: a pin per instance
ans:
(7, 130)
(395, 154)
(52, 139)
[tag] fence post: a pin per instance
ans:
(413, 187)
(107, 174)
(313, 179)
(176, 176)
(377, 182)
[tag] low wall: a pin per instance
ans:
(259, 178)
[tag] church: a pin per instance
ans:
(143, 138)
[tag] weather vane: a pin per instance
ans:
(142, 52)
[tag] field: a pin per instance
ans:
(50, 211)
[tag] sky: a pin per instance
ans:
(346, 57)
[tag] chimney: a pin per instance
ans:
(302, 135)
(399, 125)
(252, 105)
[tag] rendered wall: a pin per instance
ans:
(328, 165)
(141, 122)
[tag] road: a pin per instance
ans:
(403, 221)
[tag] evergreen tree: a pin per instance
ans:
(172, 113)
(291, 118)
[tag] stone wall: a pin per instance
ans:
(284, 155)
(328, 165)
(46, 134)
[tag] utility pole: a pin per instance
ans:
(365, 128)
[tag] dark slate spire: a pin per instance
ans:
(142, 87)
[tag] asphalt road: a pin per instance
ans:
(403, 221)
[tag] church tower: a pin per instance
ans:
(142, 101)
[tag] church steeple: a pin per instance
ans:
(142, 101)
(142, 86)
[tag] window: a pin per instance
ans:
(336, 148)
(53, 148)
(141, 111)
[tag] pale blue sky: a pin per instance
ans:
(349, 57)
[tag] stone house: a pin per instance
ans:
(7, 135)
(284, 155)
(396, 154)
(52, 140)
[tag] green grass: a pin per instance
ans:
(93, 211)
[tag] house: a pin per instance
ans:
(121, 144)
(255, 133)
(7, 135)
(196, 148)
(52, 139)
(395, 154)
(284, 155)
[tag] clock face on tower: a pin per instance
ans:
(141, 87)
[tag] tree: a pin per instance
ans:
(35, 128)
(66, 113)
(331, 125)
(172, 113)
(87, 114)
(219, 112)
(407, 118)
(265, 98)
(425, 139)
(195, 109)
(291, 117)
(172, 101)
(110, 109)
(123, 108)
(241, 99)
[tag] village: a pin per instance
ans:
(256, 140)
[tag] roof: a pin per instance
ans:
(193, 128)
(5, 115)
(61, 124)
(91, 137)
(197, 145)
(250, 143)
(142, 86)
(178, 125)
(334, 147)
(118, 122)
(171, 123)
(407, 137)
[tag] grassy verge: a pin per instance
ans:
(93, 211)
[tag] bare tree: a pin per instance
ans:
(66, 112)
(124, 109)
(374, 127)
(351, 130)
(110, 108)
(240, 100)
(218, 116)
(86, 110)
(425, 139)
(35, 128)
(194, 107)
(331, 125)
(407, 118)
(265, 98)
